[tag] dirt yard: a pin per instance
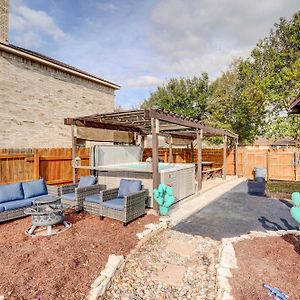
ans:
(273, 261)
(65, 265)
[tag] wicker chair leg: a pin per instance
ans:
(125, 224)
(101, 218)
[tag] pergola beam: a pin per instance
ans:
(140, 121)
(187, 122)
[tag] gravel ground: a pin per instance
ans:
(171, 265)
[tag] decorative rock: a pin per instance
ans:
(228, 259)
(152, 226)
(152, 272)
(225, 272)
(181, 247)
(224, 283)
(99, 290)
(226, 296)
(166, 275)
(98, 281)
(102, 282)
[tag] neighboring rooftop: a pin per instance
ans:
(263, 141)
(35, 56)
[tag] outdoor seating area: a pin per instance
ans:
(15, 197)
(111, 204)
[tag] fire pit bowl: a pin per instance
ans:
(46, 216)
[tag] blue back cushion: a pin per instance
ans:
(129, 186)
(34, 188)
(10, 192)
(86, 181)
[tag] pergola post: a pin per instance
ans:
(192, 152)
(224, 156)
(74, 154)
(170, 150)
(236, 157)
(199, 169)
(155, 174)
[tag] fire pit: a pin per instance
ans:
(45, 214)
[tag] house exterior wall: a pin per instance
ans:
(4, 21)
(35, 99)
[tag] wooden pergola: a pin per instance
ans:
(155, 122)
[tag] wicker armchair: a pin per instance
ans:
(74, 196)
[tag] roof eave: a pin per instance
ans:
(65, 68)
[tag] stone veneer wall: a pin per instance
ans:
(35, 99)
(4, 21)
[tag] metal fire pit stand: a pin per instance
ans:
(46, 212)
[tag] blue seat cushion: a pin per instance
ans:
(69, 196)
(117, 203)
(1, 208)
(11, 192)
(34, 188)
(93, 198)
(129, 186)
(86, 181)
(11, 205)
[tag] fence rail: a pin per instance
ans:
(54, 164)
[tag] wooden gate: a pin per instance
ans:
(281, 165)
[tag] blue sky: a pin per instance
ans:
(139, 44)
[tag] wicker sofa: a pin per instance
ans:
(15, 197)
(74, 194)
(125, 203)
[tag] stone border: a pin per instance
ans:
(115, 264)
(227, 259)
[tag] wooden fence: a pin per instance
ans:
(54, 164)
(281, 164)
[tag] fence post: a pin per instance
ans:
(267, 164)
(295, 165)
(36, 166)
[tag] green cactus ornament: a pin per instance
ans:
(164, 197)
(295, 210)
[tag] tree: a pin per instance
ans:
(185, 96)
(252, 97)
(229, 109)
(272, 76)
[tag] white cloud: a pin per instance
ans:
(195, 36)
(31, 25)
(143, 81)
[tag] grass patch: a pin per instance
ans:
(285, 187)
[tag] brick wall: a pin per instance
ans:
(4, 21)
(35, 99)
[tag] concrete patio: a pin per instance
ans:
(228, 210)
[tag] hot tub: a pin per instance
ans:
(180, 176)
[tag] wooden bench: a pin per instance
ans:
(212, 173)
